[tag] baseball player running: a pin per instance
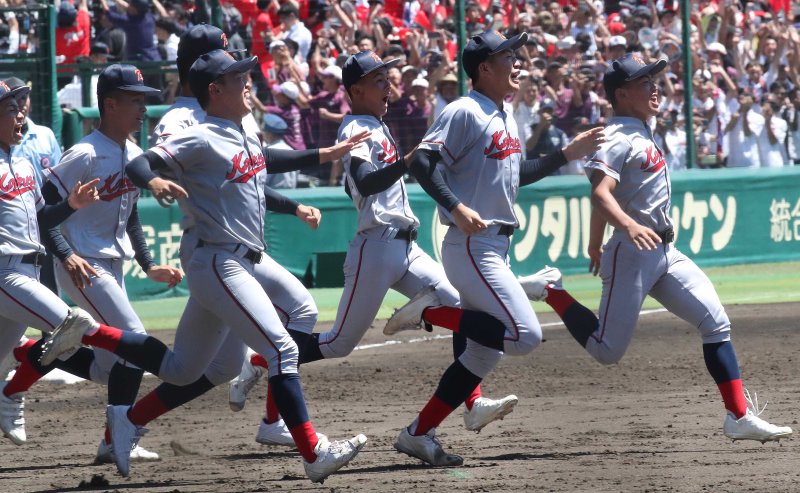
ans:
(383, 254)
(470, 163)
(631, 191)
(224, 171)
(24, 302)
(96, 241)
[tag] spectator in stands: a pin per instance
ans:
(742, 133)
(168, 35)
(771, 140)
(73, 34)
(273, 130)
(792, 116)
(285, 95)
(139, 25)
(671, 138)
(526, 107)
(409, 116)
(71, 95)
(545, 137)
(446, 92)
(111, 35)
(294, 29)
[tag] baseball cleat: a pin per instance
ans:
(426, 448)
(485, 410)
(12, 421)
(124, 436)
(67, 336)
(332, 456)
(10, 361)
(535, 285)
(105, 454)
(241, 385)
(751, 427)
(277, 434)
(409, 316)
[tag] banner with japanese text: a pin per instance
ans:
(721, 217)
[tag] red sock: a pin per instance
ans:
(258, 360)
(305, 437)
(432, 415)
(21, 352)
(446, 317)
(272, 409)
(559, 300)
(105, 338)
(23, 378)
(474, 396)
(733, 397)
(147, 409)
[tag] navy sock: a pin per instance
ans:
(721, 361)
(289, 398)
(307, 346)
(459, 345)
(123, 384)
(174, 396)
(483, 329)
(581, 322)
(456, 385)
(78, 364)
(142, 350)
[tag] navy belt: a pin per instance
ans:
(667, 236)
(406, 234)
(253, 256)
(506, 230)
(35, 258)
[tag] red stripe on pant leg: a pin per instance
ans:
(352, 295)
(610, 290)
(22, 305)
(244, 310)
(83, 293)
(496, 296)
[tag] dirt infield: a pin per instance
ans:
(651, 423)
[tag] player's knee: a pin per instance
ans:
(339, 349)
(715, 327)
(528, 341)
(609, 356)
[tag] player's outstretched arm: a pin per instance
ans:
(340, 149)
(56, 210)
(141, 172)
(309, 215)
(159, 273)
(370, 181)
(603, 200)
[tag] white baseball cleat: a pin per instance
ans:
(535, 285)
(751, 427)
(67, 336)
(332, 456)
(244, 383)
(485, 410)
(10, 362)
(409, 316)
(124, 436)
(277, 434)
(426, 448)
(12, 421)
(105, 454)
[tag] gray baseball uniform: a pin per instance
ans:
(632, 158)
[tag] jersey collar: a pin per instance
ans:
(487, 104)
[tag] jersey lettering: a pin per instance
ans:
(389, 153)
(115, 186)
(243, 169)
(654, 160)
(14, 186)
(504, 147)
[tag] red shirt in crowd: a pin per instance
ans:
(74, 41)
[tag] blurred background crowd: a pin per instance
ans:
(745, 59)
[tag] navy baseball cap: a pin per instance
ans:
(361, 64)
(197, 41)
(275, 124)
(213, 65)
(123, 77)
(629, 67)
(483, 45)
(6, 91)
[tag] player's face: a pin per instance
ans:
(504, 71)
(372, 93)
(643, 97)
(128, 111)
(24, 103)
(235, 92)
(11, 120)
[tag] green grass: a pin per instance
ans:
(741, 284)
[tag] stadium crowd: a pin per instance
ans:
(745, 59)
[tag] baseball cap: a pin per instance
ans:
(275, 124)
(276, 44)
(361, 64)
(420, 82)
(67, 13)
(11, 87)
(332, 71)
(718, 47)
(630, 67)
(198, 40)
(123, 77)
(409, 67)
(288, 89)
(451, 77)
(99, 48)
(213, 65)
(617, 41)
(482, 46)
(565, 43)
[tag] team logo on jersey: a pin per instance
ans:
(44, 162)
(654, 161)
(388, 152)
(12, 186)
(243, 169)
(502, 147)
(115, 186)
